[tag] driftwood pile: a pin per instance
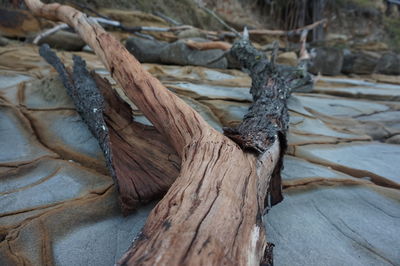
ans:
(216, 186)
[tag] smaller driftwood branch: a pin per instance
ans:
(141, 161)
(49, 32)
(267, 119)
(112, 23)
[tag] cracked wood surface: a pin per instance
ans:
(198, 216)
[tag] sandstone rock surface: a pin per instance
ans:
(59, 205)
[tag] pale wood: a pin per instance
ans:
(212, 214)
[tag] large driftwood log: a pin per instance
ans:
(212, 214)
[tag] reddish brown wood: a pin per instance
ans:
(212, 214)
(208, 45)
(144, 162)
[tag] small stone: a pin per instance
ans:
(180, 54)
(361, 62)
(191, 33)
(326, 60)
(394, 139)
(389, 64)
(146, 51)
(87, 48)
(4, 41)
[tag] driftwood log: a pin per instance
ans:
(212, 212)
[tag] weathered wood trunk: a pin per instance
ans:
(212, 213)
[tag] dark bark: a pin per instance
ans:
(87, 99)
(267, 118)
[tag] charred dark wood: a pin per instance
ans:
(87, 99)
(268, 115)
(267, 118)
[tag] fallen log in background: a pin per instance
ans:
(208, 45)
(212, 214)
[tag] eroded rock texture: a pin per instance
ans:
(58, 205)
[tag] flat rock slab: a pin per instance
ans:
(64, 132)
(299, 169)
(43, 183)
(45, 94)
(18, 142)
(340, 81)
(339, 106)
(311, 127)
(374, 160)
(339, 225)
(8, 79)
(66, 233)
(386, 94)
(304, 127)
(204, 91)
(358, 89)
(390, 118)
